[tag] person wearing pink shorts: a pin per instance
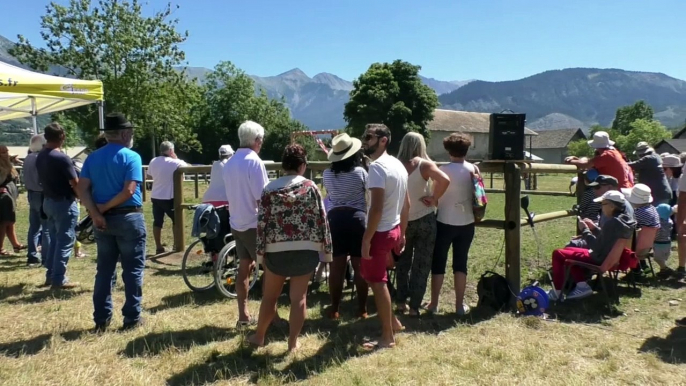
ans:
(386, 223)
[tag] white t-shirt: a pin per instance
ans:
(456, 205)
(682, 180)
(389, 174)
(162, 169)
(216, 191)
(244, 179)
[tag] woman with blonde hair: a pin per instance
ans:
(414, 264)
(8, 204)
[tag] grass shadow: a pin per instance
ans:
(670, 349)
(48, 294)
(155, 343)
(166, 272)
(34, 345)
(187, 298)
(15, 290)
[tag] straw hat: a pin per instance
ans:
(639, 194)
(343, 146)
(671, 161)
(642, 148)
(601, 140)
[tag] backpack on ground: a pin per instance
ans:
(494, 291)
(480, 200)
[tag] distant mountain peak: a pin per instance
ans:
(295, 73)
(333, 81)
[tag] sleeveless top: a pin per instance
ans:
(418, 187)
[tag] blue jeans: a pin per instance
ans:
(38, 228)
(63, 215)
(124, 240)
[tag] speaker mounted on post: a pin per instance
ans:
(506, 137)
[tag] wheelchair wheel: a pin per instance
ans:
(226, 271)
(198, 267)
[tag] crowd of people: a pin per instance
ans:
(376, 211)
(618, 217)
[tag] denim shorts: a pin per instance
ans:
(347, 229)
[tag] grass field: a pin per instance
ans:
(189, 339)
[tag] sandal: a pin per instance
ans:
(5, 253)
(241, 324)
(20, 248)
(430, 310)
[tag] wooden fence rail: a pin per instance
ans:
(511, 224)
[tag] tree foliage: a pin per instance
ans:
(643, 130)
(580, 148)
(228, 100)
(133, 55)
(392, 94)
(626, 115)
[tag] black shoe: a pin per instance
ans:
(681, 322)
(680, 273)
(33, 261)
(101, 327)
(48, 283)
(665, 273)
(132, 325)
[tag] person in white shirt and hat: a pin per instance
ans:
(607, 160)
(216, 192)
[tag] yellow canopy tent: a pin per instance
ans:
(24, 93)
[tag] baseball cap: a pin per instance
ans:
(611, 195)
(604, 180)
(225, 150)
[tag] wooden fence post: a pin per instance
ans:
(197, 191)
(179, 240)
(580, 189)
(144, 188)
(491, 180)
(513, 187)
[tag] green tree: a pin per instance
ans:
(392, 94)
(580, 148)
(643, 130)
(228, 100)
(626, 115)
(135, 56)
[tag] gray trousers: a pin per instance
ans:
(414, 265)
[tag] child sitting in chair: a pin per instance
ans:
(662, 247)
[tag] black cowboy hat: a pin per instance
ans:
(117, 121)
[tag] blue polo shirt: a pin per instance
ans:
(108, 168)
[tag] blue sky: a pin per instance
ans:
(452, 40)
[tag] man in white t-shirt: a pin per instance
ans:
(161, 169)
(244, 179)
(386, 223)
(216, 192)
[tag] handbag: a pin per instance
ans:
(480, 200)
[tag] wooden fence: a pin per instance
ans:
(511, 224)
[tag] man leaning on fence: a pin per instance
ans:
(110, 188)
(162, 169)
(244, 179)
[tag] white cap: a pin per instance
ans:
(226, 150)
(640, 194)
(601, 140)
(611, 195)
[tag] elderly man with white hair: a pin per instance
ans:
(38, 230)
(162, 169)
(244, 178)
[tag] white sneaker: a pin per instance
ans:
(464, 310)
(582, 290)
(554, 295)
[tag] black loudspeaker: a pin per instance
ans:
(506, 137)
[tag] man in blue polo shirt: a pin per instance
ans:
(110, 189)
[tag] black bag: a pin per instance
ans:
(494, 291)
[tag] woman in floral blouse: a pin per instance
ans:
(291, 231)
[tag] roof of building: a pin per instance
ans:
(555, 139)
(678, 144)
(22, 151)
(679, 133)
(464, 121)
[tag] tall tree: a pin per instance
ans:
(135, 56)
(392, 94)
(626, 115)
(643, 130)
(228, 100)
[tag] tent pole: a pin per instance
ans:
(34, 113)
(101, 115)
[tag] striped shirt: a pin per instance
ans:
(647, 217)
(588, 208)
(347, 189)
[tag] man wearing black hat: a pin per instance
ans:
(110, 190)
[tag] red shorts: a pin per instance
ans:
(374, 269)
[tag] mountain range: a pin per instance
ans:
(574, 97)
